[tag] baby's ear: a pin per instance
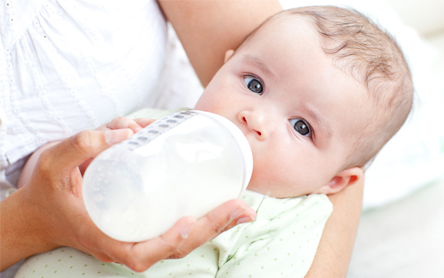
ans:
(344, 178)
(228, 55)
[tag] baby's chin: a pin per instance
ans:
(273, 189)
(275, 193)
(266, 193)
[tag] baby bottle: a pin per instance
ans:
(186, 163)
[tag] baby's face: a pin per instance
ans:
(293, 105)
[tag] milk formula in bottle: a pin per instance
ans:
(186, 163)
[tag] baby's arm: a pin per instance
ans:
(128, 126)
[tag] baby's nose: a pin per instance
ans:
(255, 122)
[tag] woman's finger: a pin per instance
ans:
(162, 247)
(124, 122)
(246, 216)
(103, 127)
(140, 256)
(144, 122)
(186, 235)
(74, 150)
(220, 219)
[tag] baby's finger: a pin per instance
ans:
(144, 122)
(124, 122)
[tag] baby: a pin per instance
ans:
(317, 91)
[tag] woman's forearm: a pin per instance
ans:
(207, 29)
(336, 245)
(20, 232)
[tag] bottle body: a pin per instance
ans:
(187, 163)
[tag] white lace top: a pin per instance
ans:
(71, 65)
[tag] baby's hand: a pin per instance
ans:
(126, 128)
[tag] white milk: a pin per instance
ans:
(187, 163)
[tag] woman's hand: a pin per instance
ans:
(48, 211)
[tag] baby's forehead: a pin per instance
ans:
(284, 23)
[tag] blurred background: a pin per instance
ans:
(402, 224)
(402, 236)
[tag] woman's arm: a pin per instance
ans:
(207, 29)
(336, 245)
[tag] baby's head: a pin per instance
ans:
(317, 91)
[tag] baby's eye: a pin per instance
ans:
(253, 84)
(301, 126)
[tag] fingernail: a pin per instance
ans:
(187, 229)
(137, 129)
(115, 136)
(238, 212)
(244, 220)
